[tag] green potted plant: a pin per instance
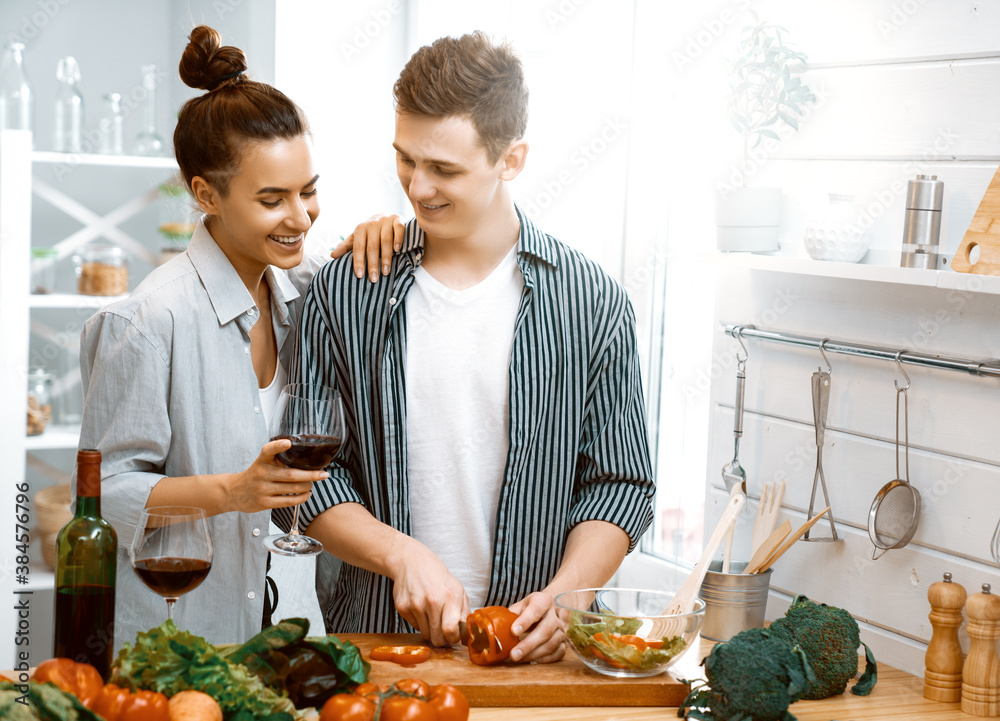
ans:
(764, 93)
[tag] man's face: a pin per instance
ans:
(446, 174)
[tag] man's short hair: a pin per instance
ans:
(469, 76)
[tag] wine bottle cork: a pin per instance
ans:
(943, 660)
(981, 672)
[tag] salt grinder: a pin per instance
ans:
(943, 661)
(981, 673)
(922, 222)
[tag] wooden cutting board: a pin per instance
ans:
(984, 234)
(565, 683)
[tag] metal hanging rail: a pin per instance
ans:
(989, 367)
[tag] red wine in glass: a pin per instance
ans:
(311, 416)
(309, 451)
(172, 576)
(172, 550)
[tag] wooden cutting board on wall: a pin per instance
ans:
(983, 234)
(565, 683)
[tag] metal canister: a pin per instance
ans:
(922, 223)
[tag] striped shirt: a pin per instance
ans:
(578, 448)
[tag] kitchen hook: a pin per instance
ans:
(822, 352)
(903, 371)
(741, 362)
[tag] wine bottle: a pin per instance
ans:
(86, 557)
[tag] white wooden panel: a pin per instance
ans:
(856, 468)
(890, 593)
(867, 31)
(904, 110)
(879, 188)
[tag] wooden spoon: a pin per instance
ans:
(792, 539)
(768, 547)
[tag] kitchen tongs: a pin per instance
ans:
(821, 404)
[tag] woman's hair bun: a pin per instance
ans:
(206, 62)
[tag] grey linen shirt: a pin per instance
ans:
(578, 448)
(170, 390)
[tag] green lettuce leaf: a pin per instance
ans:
(168, 660)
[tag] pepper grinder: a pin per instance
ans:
(943, 660)
(981, 673)
(922, 222)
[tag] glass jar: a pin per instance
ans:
(39, 400)
(178, 217)
(43, 270)
(101, 270)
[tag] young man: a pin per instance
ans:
(497, 450)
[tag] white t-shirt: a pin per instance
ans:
(458, 345)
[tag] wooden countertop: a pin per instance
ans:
(898, 695)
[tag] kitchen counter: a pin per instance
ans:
(898, 695)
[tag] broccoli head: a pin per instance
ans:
(755, 676)
(829, 637)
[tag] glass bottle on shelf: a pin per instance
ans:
(112, 126)
(149, 141)
(86, 560)
(16, 98)
(69, 108)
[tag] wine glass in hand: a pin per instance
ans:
(172, 550)
(311, 416)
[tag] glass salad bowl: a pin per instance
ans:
(623, 632)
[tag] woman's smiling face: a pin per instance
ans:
(271, 204)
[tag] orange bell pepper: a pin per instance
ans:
(490, 636)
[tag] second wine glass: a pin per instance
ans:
(172, 550)
(311, 416)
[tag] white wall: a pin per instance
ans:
(911, 90)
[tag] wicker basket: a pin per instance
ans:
(53, 510)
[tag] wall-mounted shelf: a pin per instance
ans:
(71, 300)
(117, 161)
(55, 437)
(946, 279)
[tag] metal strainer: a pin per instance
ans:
(895, 512)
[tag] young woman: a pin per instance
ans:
(179, 377)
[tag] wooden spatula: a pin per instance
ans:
(791, 540)
(769, 546)
(683, 601)
(767, 513)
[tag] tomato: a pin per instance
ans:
(406, 708)
(449, 703)
(80, 679)
(369, 689)
(347, 707)
(490, 636)
(403, 655)
(413, 686)
(120, 704)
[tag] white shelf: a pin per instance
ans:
(53, 438)
(117, 161)
(949, 280)
(71, 300)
